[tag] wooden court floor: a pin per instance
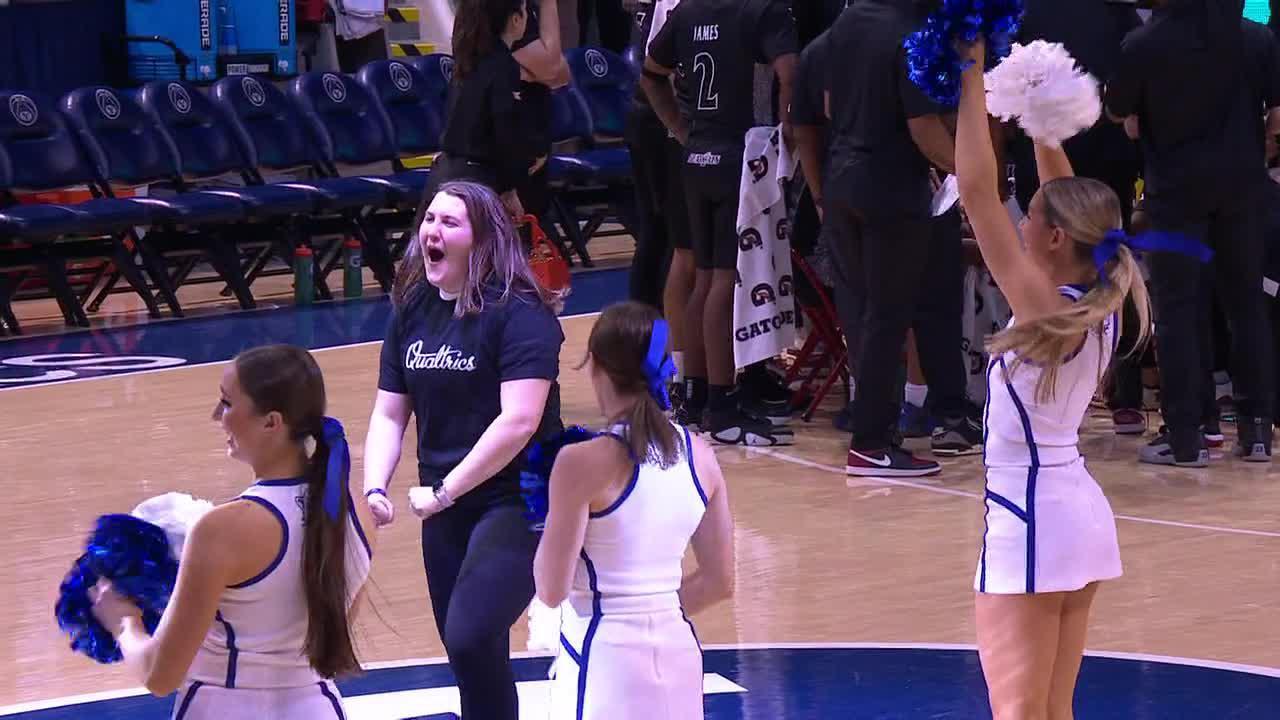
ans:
(820, 559)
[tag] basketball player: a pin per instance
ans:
(1050, 533)
(624, 508)
(472, 351)
(714, 45)
(259, 622)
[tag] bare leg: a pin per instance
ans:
(717, 330)
(695, 351)
(676, 295)
(1018, 645)
(1071, 638)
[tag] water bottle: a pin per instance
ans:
(303, 279)
(353, 269)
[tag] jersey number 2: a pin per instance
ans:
(705, 65)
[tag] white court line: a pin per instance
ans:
(109, 376)
(418, 662)
(965, 493)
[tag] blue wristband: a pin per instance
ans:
(375, 491)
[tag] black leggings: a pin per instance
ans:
(479, 564)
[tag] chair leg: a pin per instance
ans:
(72, 311)
(7, 318)
(573, 231)
(224, 258)
(158, 270)
(125, 261)
(377, 255)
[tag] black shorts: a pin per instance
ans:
(712, 196)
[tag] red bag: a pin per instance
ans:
(548, 265)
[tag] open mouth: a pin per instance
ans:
(435, 254)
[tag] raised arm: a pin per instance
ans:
(1029, 291)
(543, 57)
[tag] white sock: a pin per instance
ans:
(916, 394)
(853, 390)
(677, 357)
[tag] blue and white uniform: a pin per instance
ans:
(251, 663)
(1049, 528)
(626, 648)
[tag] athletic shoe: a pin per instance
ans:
(955, 438)
(734, 427)
(1254, 443)
(776, 413)
(1227, 408)
(889, 462)
(915, 422)
(1213, 436)
(1129, 422)
(687, 416)
(1160, 452)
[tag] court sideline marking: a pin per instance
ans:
(38, 705)
(763, 451)
(770, 452)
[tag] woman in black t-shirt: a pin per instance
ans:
(507, 58)
(472, 352)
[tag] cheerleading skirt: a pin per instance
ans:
(200, 701)
(1048, 529)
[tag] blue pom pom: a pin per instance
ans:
(134, 555)
(535, 479)
(932, 61)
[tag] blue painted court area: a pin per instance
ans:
(804, 683)
(57, 358)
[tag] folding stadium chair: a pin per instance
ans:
(269, 125)
(834, 356)
(42, 154)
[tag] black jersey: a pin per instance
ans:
(714, 46)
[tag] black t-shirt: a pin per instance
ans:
(453, 369)
(807, 105)
(714, 45)
(871, 100)
(535, 102)
(1200, 88)
(486, 120)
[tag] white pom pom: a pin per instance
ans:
(544, 626)
(1041, 86)
(174, 513)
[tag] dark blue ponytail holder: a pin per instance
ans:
(658, 366)
(338, 472)
(1153, 241)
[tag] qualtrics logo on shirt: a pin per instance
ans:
(444, 358)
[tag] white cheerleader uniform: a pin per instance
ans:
(1049, 528)
(251, 664)
(627, 650)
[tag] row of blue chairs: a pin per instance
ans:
(206, 158)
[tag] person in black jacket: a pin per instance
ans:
(497, 132)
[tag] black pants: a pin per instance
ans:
(904, 272)
(662, 217)
(1182, 291)
(355, 54)
(479, 564)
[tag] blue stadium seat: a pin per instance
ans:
(41, 154)
(606, 82)
(129, 146)
(437, 70)
(413, 106)
(352, 129)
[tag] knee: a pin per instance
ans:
(473, 651)
(1019, 709)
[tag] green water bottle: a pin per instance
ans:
(303, 276)
(352, 269)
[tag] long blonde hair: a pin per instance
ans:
(1086, 210)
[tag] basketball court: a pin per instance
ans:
(854, 597)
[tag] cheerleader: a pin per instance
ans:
(260, 619)
(623, 509)
(1050, 533)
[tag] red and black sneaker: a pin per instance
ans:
(888, 462)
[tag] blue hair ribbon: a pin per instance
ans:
(658, 366)
(338, 472)
(1153, 241)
